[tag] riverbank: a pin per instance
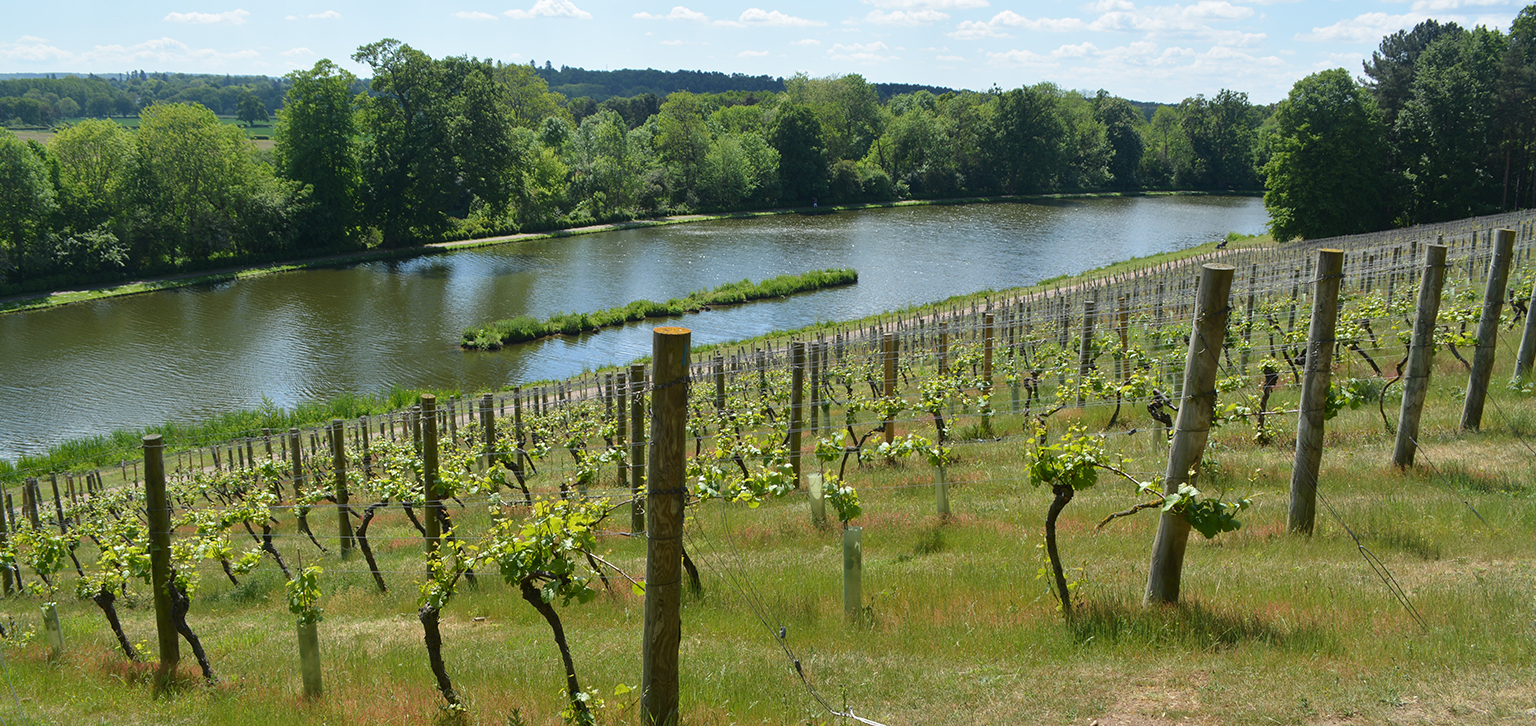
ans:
(39, 301)
(110, 450)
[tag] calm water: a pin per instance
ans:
(192, 353)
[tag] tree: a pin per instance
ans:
(316, 131)
(796, 135)
(437, 137)
(1391, 67)
(1327, 169)
(527, 96)
(1028, 140)
(1446, 135)
(847, 108)
(1120, 120)
(1222, 133)
(96, 163)
(249, 109)
(26, 199)
(201, 191)
(683, 142)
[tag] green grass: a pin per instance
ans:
(525, 328)
(1274, 628)
(960, 630)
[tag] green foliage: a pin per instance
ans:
(1073, 461)
(843, 498)
(1326, 173)
(524, 328)
(304, 595)
(316, 146)
(1209, 517)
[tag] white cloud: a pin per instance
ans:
(474, 15)
(950, 58)
(752, 54)
(167, 51)
(678, 13)
(759, 16)
(1424, 6)
(1368, 27)
(976, 29)
(298, 52)
(230, 17)
(549, 9)
(860, 52)
(1121, 15)
(32, 48)
(934, 4)
(905, 17)
(327, 15)
(806, 41)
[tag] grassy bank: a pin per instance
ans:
(524, 328)
(127, 444)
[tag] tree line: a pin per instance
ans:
(431, 149)
(43, 102)
(1442, 126)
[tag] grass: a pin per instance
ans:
(1273, 628)
(525, 328)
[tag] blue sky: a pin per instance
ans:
(1147, 51)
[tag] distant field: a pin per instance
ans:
(132, 122)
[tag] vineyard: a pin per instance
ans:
(978, 511)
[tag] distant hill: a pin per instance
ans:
(600, 85)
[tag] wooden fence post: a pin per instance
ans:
(637, 435)
(297, 460)
(158, 510)
(339, 466)
(621, 424)
(428, 423)
(888, 358)
(1527, 339)
(664, 511)
(1488, 331)
(1191, 429)
(1314, 390)
(1420, 354)
(1085, 347)
(796, 406)
(988, 332)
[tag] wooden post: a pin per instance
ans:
(719, 370)
(1527, 339)
(1488, 331)
(943, 350)
(7, 523)
(796, 406)
(296, 445)
(158, 510)
(888, 357)
(813, 376)
(1085, 348)
(664, 513)
(339, 465)
(488, 430)
(988, 332)
(621, 424)
(941, 492)
(1191, 429)
(637, 470)
(1314, 390)
(1420, 355)
(428, 422)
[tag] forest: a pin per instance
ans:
(430, 149)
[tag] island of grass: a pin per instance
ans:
(524, 328)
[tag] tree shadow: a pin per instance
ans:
(1190, 626)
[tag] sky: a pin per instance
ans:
(1145, 51)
